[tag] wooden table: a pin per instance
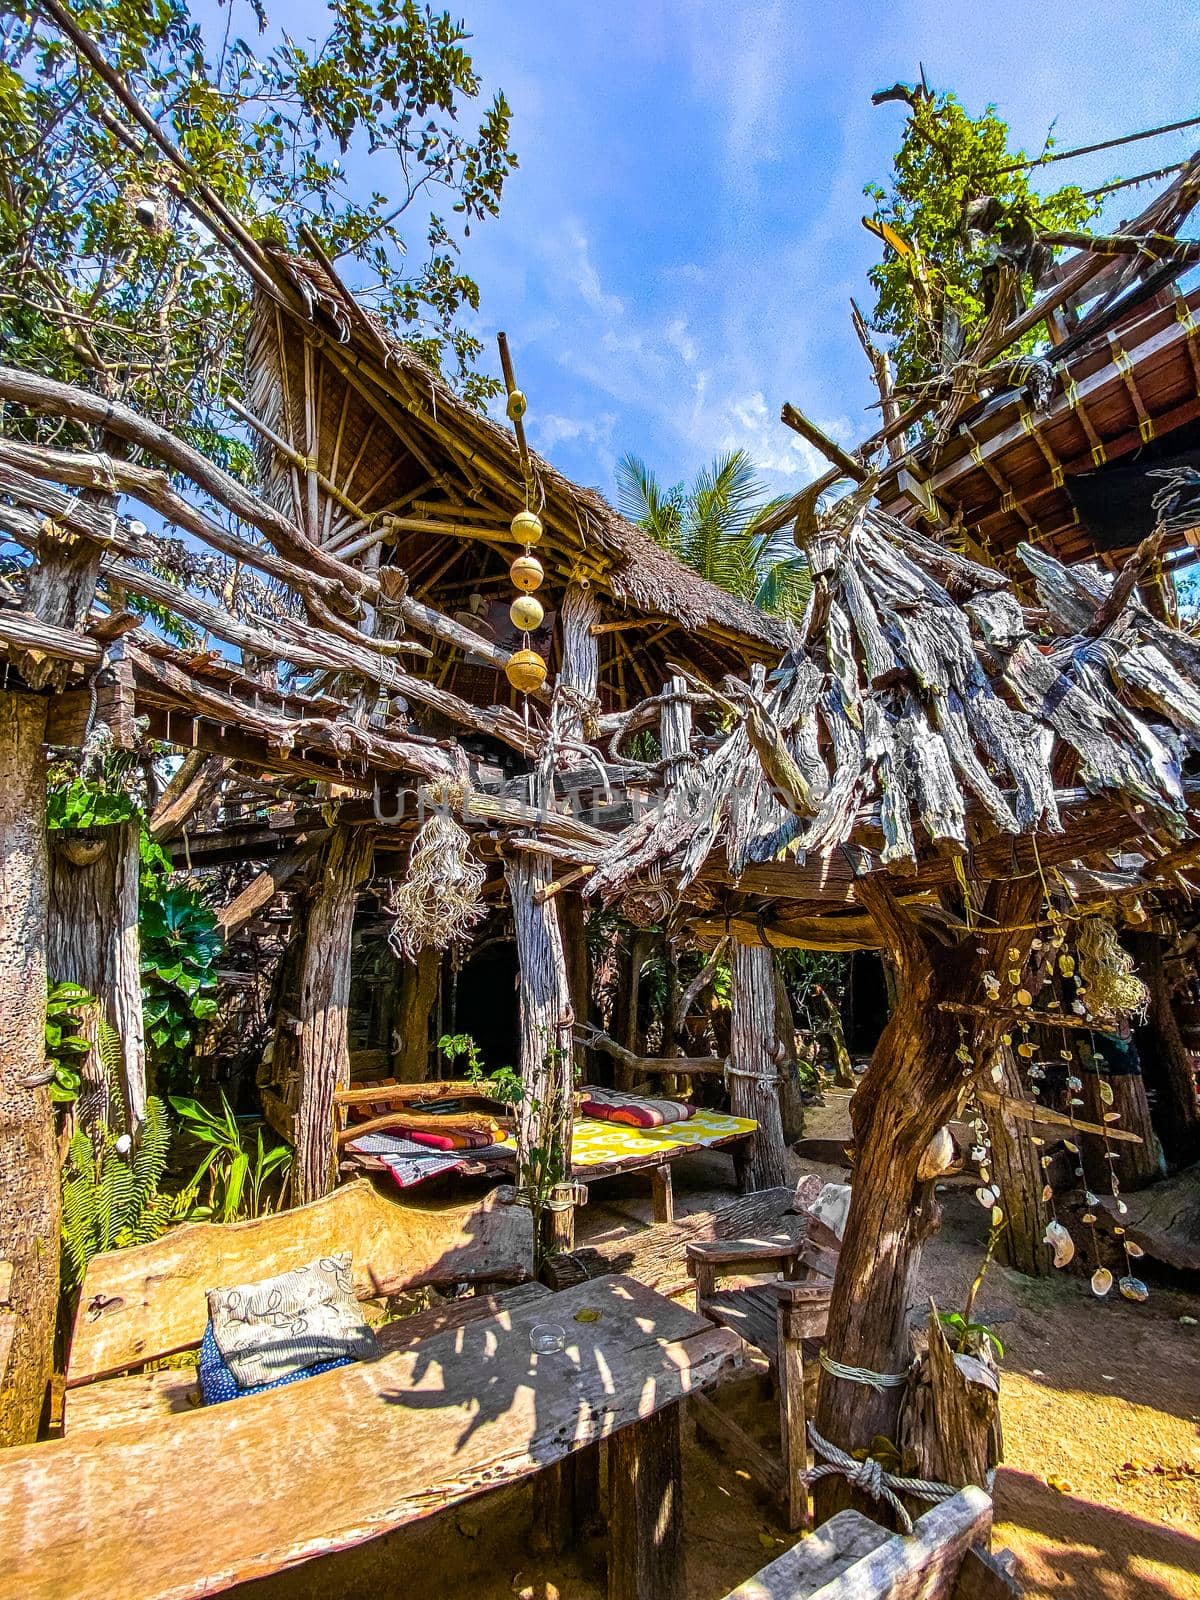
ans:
(194, 1504)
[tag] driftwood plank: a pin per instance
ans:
(149, 1301)
(364, 1449)
(852, 1558)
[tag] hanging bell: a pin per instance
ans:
(526, 527)
(527, 573)
(525, 670)
(526, 613)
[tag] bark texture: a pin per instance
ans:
(1168, 1065)
(915, 1084)
(753, 1082)
(545, 1113)
(1018, 1171)
(92, 939)
(322, 1049)
(29, 1192)
(417, 987)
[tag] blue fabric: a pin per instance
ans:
(217, 1382)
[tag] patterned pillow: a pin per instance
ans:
(217, 1382)
(282, 1326)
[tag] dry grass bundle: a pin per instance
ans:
(1111, 986)
(440, 899)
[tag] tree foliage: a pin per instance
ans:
(713, 526)
(109, 281)
(953, 215)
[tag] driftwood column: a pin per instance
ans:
(29, 1194)
(1018, 1171)
(914, 1085)
(93, 941)
(322, 1050)
(417, 987)
(1168, 1065)
(753, 1063)
(544, 1115)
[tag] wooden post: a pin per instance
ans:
(645, 1497)
(417, 982)
(791, 1106)
(664, 1193)
(322, 1049)
(802, 1314)
(915, 1084)
(29, 1183)
(1018, 1171)
(1136, 1164)
(1168, 1066)
(544, 1116)
(579, 973)
(578, 680)
(93, 940)
(754, 1071)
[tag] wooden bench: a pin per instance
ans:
(149, 1302)
(850, 1557)
(778, 1318)
(184, 1507)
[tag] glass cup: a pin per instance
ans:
(545, 1338)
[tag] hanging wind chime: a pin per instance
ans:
(525, 668)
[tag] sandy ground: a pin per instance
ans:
(1103, 1398)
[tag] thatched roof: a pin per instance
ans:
(926, 714)
(462, 473)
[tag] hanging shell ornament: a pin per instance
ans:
(526, 527)
(525, 670)
(1102, 1282)
(986, 1197)
(527, 573)
(1132, 1248)
(526, 613)
(1060, 1241)
(1133, 1289)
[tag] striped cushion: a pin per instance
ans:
(282, 1326)
(217, 1382)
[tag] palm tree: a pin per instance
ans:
(713, 528)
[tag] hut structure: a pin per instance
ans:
(945, 758)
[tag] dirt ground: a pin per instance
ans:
(1097, 1498)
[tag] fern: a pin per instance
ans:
(111, 1199)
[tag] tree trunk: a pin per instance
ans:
(1137, 1164)
(417, 983)
(93, 940)
(915, 1084)
(323, 1054)
(573, 923)
(1168, 1065)
(1017, 1169)
(29, 1179)
(544, 1115)
(754, 1071)
(791, 1106)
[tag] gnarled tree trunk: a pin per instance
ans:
(1017, 1168)
(29, 1182)
(754, 1069)
(322, 1048)
(915, 1084)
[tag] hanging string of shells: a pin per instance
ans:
(1079, 970)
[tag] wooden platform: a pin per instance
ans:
(191, 1505)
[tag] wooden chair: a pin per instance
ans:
(850, 1557)
(148, 1302)
(776, 1318)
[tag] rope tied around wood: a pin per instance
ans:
(872, 1380)
(870, 1477)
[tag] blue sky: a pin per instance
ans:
(675, 256)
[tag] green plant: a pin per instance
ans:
(110, 1195)
(713, 527)
(970, 1336)
(504, 1084)
(237, 1181)
(81, 803)
(66, 1047)
(180, 947)
(957, 192)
